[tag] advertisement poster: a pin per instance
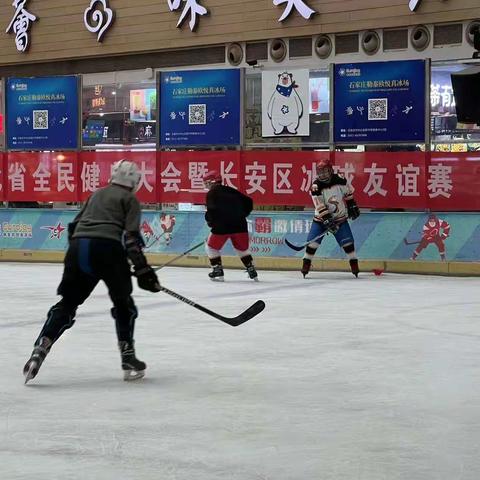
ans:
(443, 108)
(143, 104)
(320, 95)
(286, 103)
(200, 107)
(42, 113)
(380, 102)
(94, 132)
(405, 236)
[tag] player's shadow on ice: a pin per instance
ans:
(319, 275)
(111, 383)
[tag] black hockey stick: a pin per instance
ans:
(411, 243)
(173, 260)
(299, 248)
(248, 314)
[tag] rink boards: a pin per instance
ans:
(41, 235)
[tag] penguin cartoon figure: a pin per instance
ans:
(285, 108)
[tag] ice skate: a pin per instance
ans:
(216, 275)
(307, 265)
(40, 351)
(354, 266)
(133, 368)
(252, 273)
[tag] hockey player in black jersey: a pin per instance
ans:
(104, 236)
(227, 212)
(334, 205)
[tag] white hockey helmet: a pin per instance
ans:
(126, 173)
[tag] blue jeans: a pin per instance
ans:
(343, 235)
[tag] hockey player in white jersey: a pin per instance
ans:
(334, 205)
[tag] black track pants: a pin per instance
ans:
(89, 260)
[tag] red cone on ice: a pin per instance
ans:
(378, 271)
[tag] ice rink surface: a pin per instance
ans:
(339, 379)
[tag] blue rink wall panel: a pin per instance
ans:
(377, 235)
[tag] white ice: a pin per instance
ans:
(339, 379)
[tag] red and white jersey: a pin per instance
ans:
(167, 222)
(435, 228)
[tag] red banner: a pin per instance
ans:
(407, 180)
(385, 180)
(41, 177)
(453, 182)
(181, 173)
(2, 179)
(280, 178)
(95, 170)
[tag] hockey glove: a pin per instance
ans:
(331, 226)
(147, 279)
(327, 221)
(353, 210)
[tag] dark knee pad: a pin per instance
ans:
(350, 248)
(125, 313)
(60, 317)
(310, 250)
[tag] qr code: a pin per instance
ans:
(40, 119)
(378, 109)
(197, 114)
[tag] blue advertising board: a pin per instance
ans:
(42, 113)
(200, 107)
(380, 102)
(403, 234)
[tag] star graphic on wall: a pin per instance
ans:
(56, 232)
(285, 109)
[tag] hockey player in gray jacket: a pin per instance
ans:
(103, 238)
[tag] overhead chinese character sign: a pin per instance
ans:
(380, 102)
(42, 113)
(98, 18)
(200, 107)
(191, 9)
(20, 25)
(300, 6)
(285, 103)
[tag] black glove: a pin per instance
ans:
(353, 210)
(331, 226)
(147, 279)
(328, 223)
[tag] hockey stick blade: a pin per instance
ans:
(245, 316)
(411, 243)
(294, 247)
(299, 248)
